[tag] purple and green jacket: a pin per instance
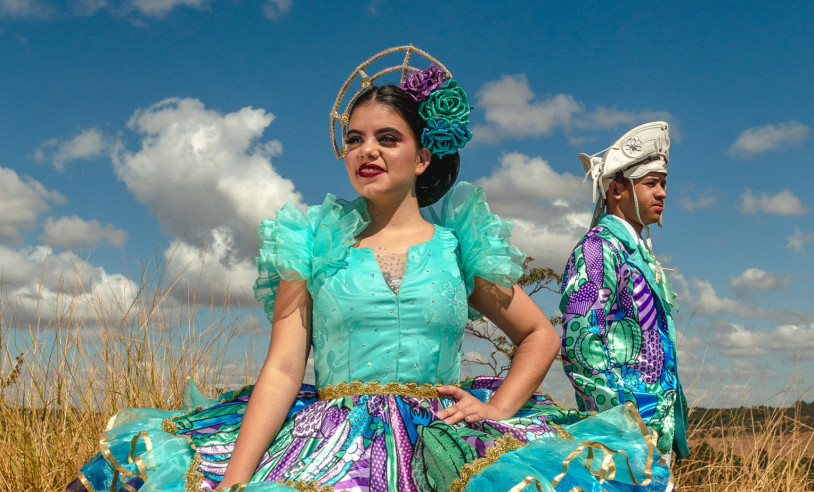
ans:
(618, 341)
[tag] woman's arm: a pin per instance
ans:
(513, 311)
(279, 380)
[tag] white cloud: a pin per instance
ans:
(550, 211)
(513, 111)
(23, 8)
(21, 202)
(210, 274)
(40, 284)
(797, 241)
(698, 203)
(373, 7)
(707, 302)
(88, 7)
(74, 232)
(760, 139)
(88, 144)
(209, 181)
(738, 341)
(791, 340)
(757, 279)
(274, 9)
(159, 8)
(783, 203)
(795, 338)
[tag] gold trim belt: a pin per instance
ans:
(354, 388)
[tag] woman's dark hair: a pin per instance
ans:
(442, 172)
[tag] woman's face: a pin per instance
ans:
(384, 157)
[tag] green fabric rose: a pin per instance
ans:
(449, 103)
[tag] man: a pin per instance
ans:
(618, 342)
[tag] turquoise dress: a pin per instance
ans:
(369, 423)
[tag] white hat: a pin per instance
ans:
(642, 150)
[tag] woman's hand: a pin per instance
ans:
(468, 407)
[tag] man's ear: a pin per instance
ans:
(615, 189)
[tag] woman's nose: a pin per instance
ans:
(371, 149)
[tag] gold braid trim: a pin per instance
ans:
(555, 402)
(502, 446)
(355, 388)
(238, 487)
(607, 470)
(366, 81)
(298, 484)
(85, 482)
(307, 486)
(193, 477)
(525, 483)
(561, 432)
(169, 426)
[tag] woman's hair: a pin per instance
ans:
(442, 172)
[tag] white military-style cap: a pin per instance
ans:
(642, 150)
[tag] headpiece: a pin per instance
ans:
(444, 104)
(642, 150)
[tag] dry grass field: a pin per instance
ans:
(103, 353)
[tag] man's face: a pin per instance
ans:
(651, 190)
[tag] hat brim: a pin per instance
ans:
(636, 171)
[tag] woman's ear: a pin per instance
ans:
(424, 157)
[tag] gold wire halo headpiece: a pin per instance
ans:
(366, 83)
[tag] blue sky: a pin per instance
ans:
(138, 128)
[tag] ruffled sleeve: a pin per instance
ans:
(485, 239)
(311, 246)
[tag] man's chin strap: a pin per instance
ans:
(649, 243)
(598, 209)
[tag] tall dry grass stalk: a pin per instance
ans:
(761, 449)
(87, 356)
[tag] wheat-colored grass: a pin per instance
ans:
(138, 349)
(98, 355)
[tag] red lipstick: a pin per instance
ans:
(369, 170)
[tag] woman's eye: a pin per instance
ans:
(353, 139)
(388, 139)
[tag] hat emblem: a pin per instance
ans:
(633, 147)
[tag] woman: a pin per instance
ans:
(381, 292)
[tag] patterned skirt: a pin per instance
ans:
(378, 438)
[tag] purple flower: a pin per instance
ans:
(419, 84)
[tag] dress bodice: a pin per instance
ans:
(362, 331)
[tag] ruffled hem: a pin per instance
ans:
(345, 443)
(311, 246)
(613, 451)
(485, 239)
